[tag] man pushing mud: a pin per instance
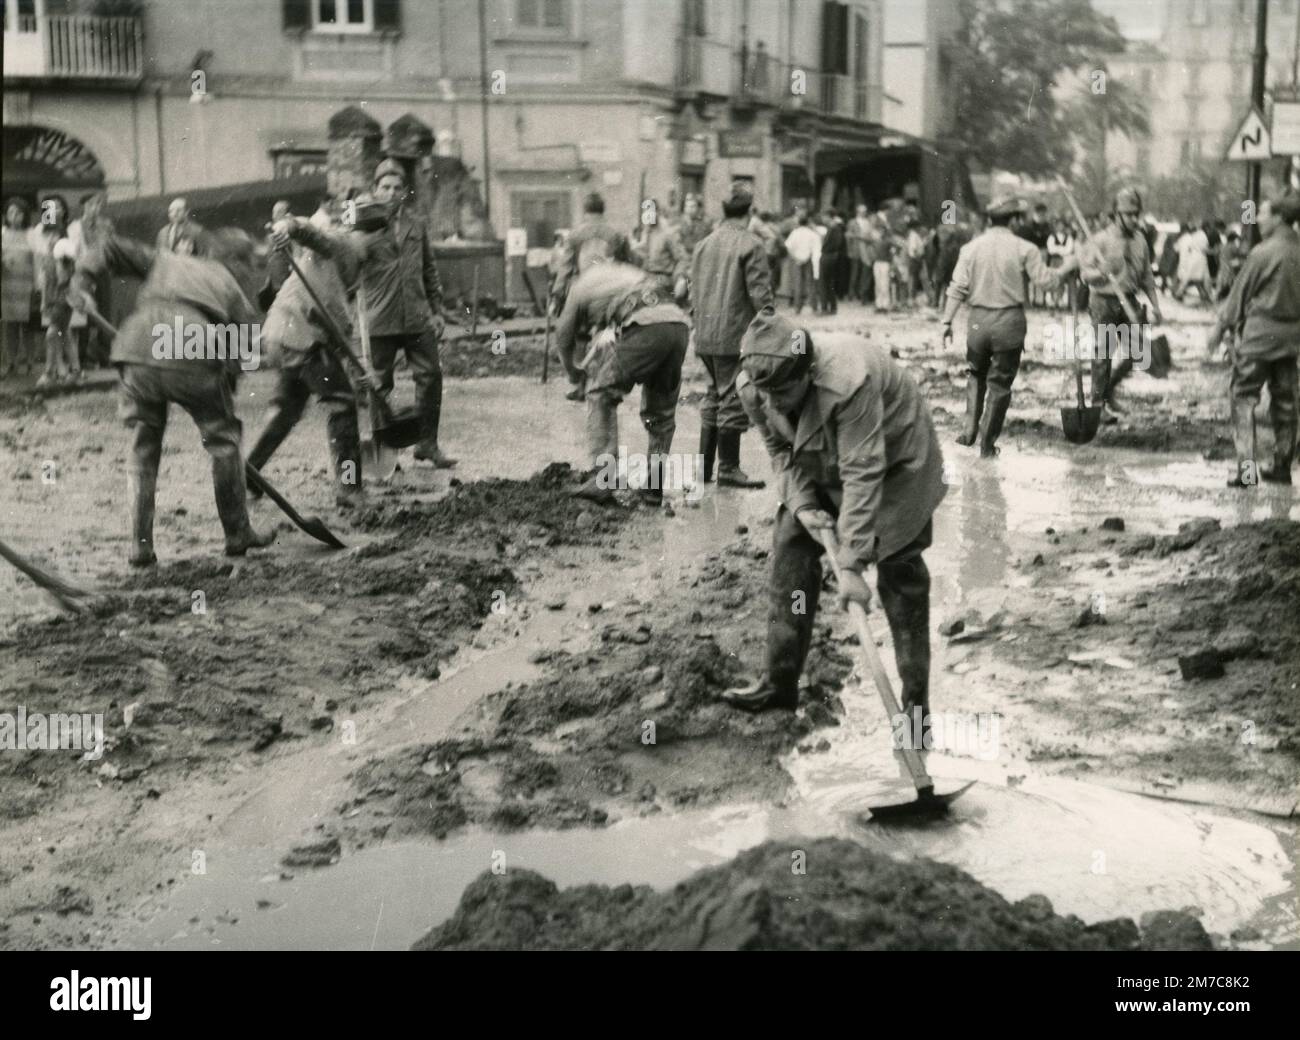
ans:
(206, 301)
(854, 451)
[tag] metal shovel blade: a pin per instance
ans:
(926, 805)
(398, 429)
(1080, 424)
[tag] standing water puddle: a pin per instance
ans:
(1093, 851)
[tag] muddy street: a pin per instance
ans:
(495, 690)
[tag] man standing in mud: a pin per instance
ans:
(1120, 249)
(1263, 311)
(638, 335)
(991, 276)
(403, 300)
(297, 336)
(854, 451)
(191, 293)
(731, 281)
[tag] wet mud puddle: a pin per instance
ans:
(1093, 851)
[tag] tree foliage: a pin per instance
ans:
(1004, 61)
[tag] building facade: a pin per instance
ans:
(1194, 71)
(633, 98)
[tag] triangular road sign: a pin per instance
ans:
(1251, 141)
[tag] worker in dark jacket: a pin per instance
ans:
(731, 282)
(185, 342)
(854, 450)
(403, 300)
(1263, 312)
(636, 334)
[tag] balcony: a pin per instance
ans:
(704, 66)
(74, 47)
(849, 98)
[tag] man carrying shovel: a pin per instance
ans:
(296, 334)
(1116, 265)
(193, 294)
(857, 464)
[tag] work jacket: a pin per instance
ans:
(863, 440)
(731, 281)
(179, 293)
(403, 291)
(660, 252)
(331, 263)
(1265, 298)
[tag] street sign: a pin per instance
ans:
(1286, 127)
(1251, 141)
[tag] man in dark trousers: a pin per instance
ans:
(637, 334)
(992, 274)
(832, 262)
(194, 295)
(853, 450)
(403, 300)
(730, 283)
(1263, 311)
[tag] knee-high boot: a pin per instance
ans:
(1243, 437)
(232, 506)
(975, 391)
(708, 449)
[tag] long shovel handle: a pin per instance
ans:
(1110, 275)
(920, 778)
(336, 333)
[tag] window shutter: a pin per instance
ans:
(297, 14)
(388, 16)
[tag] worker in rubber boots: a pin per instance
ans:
(1121, 249)
(853, 450)
(731, 281)
(204, 301)
(637, 335)
(1263, 311)
(297, 336)
(403, 301)
(990, 277)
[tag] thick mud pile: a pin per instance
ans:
(827, 894)
(202, 660)
(632, 725)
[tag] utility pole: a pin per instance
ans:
(1254, 170)
(483, 110)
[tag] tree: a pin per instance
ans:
(1100, 108)
(1004, 61)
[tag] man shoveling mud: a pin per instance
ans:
(637, 336)
(207, 299)
(299, 336)
(853, 449)
(1263, 311)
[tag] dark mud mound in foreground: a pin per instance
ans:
(536, 513)
(827, 894)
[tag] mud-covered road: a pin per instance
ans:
(306, 748)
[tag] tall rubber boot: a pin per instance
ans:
(1243, 438)
(657, 447)
(1118, 374)
(431, 415)
(994, 415)
(708, 449)
(144, 484)
(729, 472)
(345, 452)
(1284, 441)
(602, 448)
(232, 507)
(975, 391)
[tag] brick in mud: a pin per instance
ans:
(1204, 664)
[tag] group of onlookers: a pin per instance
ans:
(42, 331)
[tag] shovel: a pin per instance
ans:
(380, 458)
(926, 803)
(68, 596)
(1081, 422)
(395, 430)
(312, 525)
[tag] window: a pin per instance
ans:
(20, 16)
(543, 15)
(340, 16)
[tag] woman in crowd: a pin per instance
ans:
(18, 285)
(55, 259)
